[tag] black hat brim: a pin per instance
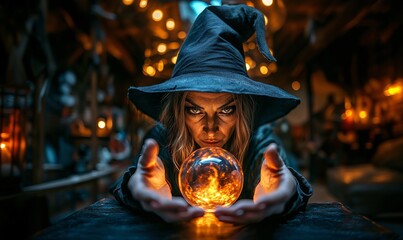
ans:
(272, 102)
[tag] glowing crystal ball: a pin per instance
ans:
(210, 177)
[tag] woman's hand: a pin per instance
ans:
(277, 185)
(149, 186)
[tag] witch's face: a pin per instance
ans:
(210, 117)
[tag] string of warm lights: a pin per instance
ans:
(171, 21)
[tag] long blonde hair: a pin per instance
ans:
(181, 141)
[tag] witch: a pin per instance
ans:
(210, 101)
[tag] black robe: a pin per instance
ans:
(251, 168)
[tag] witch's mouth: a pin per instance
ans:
(215, 142)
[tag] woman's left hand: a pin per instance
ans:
(277, 185)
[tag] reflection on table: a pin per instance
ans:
(106, 219)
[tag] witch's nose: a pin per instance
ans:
(210, 125)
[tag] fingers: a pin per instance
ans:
(273, 159)
(171, 210)
(189, 214)
(175, 205)
(175, 210)
(247, 211)
(273, 203)
(243, 212)
(149, 154)
(244, 204)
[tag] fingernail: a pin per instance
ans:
(154, 204)
(239, 212)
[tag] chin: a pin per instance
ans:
(212, 145)
(204, 144)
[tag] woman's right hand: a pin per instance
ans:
(149, 186)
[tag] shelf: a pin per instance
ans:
(64, 183)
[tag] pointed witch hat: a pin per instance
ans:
(211, 59)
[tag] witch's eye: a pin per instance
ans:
(193, 110)
(228, 110)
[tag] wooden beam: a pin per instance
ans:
(353, 12)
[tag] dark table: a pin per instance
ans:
(106, 219)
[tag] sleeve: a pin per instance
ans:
(300, 199)
(265, 136)
(120, 189)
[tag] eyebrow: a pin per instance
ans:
(224, 105)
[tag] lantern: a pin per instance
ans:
(210, 177)
(13, 115)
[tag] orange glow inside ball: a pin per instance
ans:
(210, 177)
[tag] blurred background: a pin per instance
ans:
(68, 130)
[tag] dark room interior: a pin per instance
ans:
(68, 130)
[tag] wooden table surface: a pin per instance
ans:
(106, 219)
